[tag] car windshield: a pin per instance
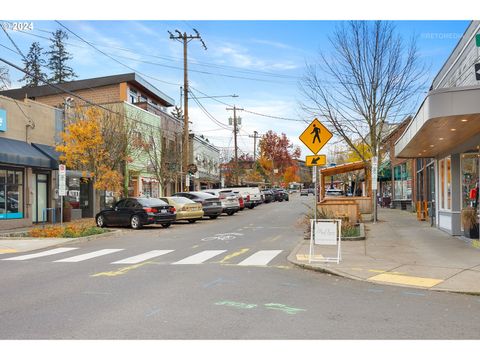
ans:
(182, 200)
(151, 202)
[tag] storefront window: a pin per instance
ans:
(403, 181)
(11, 194)
(470, 176)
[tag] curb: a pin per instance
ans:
(67, 240)
(291, 258)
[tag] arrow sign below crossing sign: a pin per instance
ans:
(315, 136)
(315, 160)
(477, 71)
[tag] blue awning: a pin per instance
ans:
(17, 152)
(50, 152)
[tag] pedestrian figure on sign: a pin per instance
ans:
(316, 130)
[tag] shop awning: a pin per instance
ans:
(447, 117)
(50, 152)
(17, 152)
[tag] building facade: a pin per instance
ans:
(206, 157)
(28, 168)
(444, 138)
(139, 101)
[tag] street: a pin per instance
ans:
(216, 279)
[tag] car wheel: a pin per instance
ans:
(135, 222)
(101, 221)
(191, 221)
(230, 213)
(213, 217)
(166, 225)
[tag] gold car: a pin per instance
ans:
(186, 208)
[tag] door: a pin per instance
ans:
(124, 213)
(431, 192)
(40, 198)
(113, 216)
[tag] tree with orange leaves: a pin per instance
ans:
(277, 154)
(84, 148)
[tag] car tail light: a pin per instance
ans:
(222, 196)
(248, 197)
(150, 210)
(172, 210)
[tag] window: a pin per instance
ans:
(445, 175)
(11, 194)
(402, 175)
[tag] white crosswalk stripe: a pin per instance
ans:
(260, 258)
(89, 255)
(200, 257)
(142, 257)
(41, 254)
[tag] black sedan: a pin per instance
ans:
(211, 205)
(136, 212)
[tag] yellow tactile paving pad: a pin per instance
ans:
(406, 280)
(7, 251)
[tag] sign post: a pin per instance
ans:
(62, 187)
(315, 136)
(374, 186)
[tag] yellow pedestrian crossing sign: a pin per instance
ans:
(315, 160)
(315, 136)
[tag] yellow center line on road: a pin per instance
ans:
(231, 256)
(121, 271)
(405, 280)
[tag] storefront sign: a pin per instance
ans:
(3, 120)
(62, 180)
(477, 38)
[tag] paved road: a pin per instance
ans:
(216, 279)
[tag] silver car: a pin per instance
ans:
(229, 200)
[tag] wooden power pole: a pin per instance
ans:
(185, 39)
(255, 136)
(235, 131)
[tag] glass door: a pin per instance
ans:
(40, 198)
(430, 193)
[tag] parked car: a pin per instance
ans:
(230, 204)
(285, 194)
(278, 195)
(137, 212)
(311, 191)
(268, 196)
(186, 209)
(251, 195)
(334, 192)
(241, 201)
(211, 205)
(304, 192)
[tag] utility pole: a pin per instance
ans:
(255, 136)
(185, 39)
(235, 131)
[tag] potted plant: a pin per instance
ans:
(67, 211)
(470, 222)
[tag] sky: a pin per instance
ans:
(260, 61)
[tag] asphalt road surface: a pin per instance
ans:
(216, 279)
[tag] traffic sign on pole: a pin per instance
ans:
(62, 180)
(315, 160)
(315, 136)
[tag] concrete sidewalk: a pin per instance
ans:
(400, 250)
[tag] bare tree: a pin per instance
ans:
(4, 78)
(370, 76)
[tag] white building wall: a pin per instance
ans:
(459, 69)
